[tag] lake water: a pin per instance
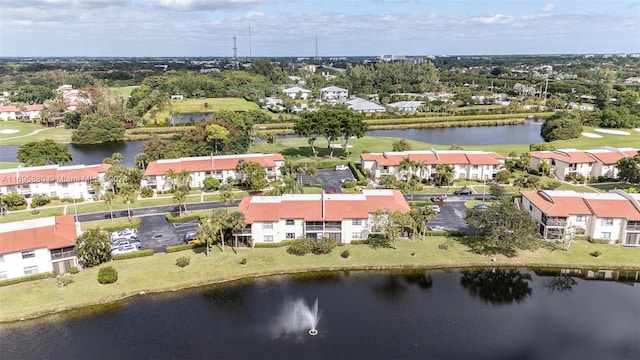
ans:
(488, 313)
(527, 133)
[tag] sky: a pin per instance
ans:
(269, 28)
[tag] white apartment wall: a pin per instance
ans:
(13, 263)
(348, 228)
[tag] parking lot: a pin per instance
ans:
(452, 213)
(185, 227)
(156, 233)
(327, 178)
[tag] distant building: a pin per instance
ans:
(334, 93)
(37, 246)
(405, 106)
(588, 163)
(364, 106)
(29, 112)
(177, 97)
(297, 92)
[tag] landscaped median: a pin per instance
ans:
(159, 272)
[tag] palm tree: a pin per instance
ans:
(291, 185)
(97, 188)
(544, 167)
(444, 173)
(171, 176)
(109, 198)
(226, 198)
(184, 178)
(128, 194)
(523, 161)
(406, 165)
(421, 168)
(180, 197)
(236, 222)
(219, 222)
(207, 234)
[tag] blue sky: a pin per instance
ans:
(289, 27)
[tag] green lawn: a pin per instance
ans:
(59, 134)
(124, 91)
(8, 165)
(159, 272)
(204, 106)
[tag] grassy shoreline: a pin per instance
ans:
(158, 273)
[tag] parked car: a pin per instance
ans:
(125, 233)
(124, 249)
(462, 192)
(191, 237)
(121, 242)
(435, 208)
(439, 228)
(342, 181)
(481, 207)
(342, 167)
(332, 190)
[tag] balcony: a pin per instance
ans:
(554, 221)
(242, 232)
(55, 255)
(633, 226)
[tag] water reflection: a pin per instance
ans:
(560, 283)
(497, 286)
(396, 285)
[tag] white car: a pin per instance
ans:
(435, 208)
(342, 167)
(121, 242)
(125, 234)
(123, 249)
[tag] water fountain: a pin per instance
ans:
(298, 316)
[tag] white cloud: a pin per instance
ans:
(549, 8)
(190, 5)
(494, 19)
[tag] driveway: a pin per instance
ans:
(156, 233)
(327, 178)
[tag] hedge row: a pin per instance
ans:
(134, 225)
(273, 244)
(359, 242)
(176, 248)
(447, 233)
(356, 171)
(184, 218)
(44, 275)
(132, 255)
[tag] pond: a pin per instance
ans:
(482, 313)
(527, 133)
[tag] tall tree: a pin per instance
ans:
(207, 234)
(226, 197)
(407, 166)
(629, 169)
(128, 193)
(180, 198)
(43, 152)
(184, 178)
(351, 125)
(93, 247)
(109, 198)
(172, 176)
(391, 224)
(216, 134)
(444, 174)
(253, 174)
(504, 229)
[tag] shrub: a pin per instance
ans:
(107, 275)
(44, 275)
(146, 192)
(19, 207)
(184, 218)
(307, 245)
(274, 244)
(345, 254)
(552, 185)
(133, 255)
(13, 201)
(349, 184)
(356, 171)
(596, 253)
(601, 241)
(211, 184)
(35, 212)
(73, 270)
(40, 200)
(359, 242)
(176, 248)
(243, 261)
(183, 261)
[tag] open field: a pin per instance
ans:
(26, 134)
(8, 165)
(206, 105)
(124, 91)
(159, 272)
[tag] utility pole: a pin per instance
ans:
(235, 53)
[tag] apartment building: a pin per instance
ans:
(588, 163)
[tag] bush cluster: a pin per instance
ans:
(596, 253)
(274, 244)
(176, 248)
(345, 254)
(184, 218)
(307, 245)
(107, 275)
(183, 261)
(146, 192)
(133, 255)
(73, 270)
(44, 275)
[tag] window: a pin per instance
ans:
(607, 221)
(3, 274)
(581, 218)
(291, 235)
(28, 254)
(356, 235)
(475, 167)
(1, 258)
(29, 270)
(530, 207)
(65, 185)
(268, 238)
(356, 222)
(290, 222)
(606, 235)
(267, 225)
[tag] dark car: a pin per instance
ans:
(481, 207)
(462, 192)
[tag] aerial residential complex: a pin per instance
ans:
(37, 246)
(341, 217)
(588, 163)
(612, 217)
